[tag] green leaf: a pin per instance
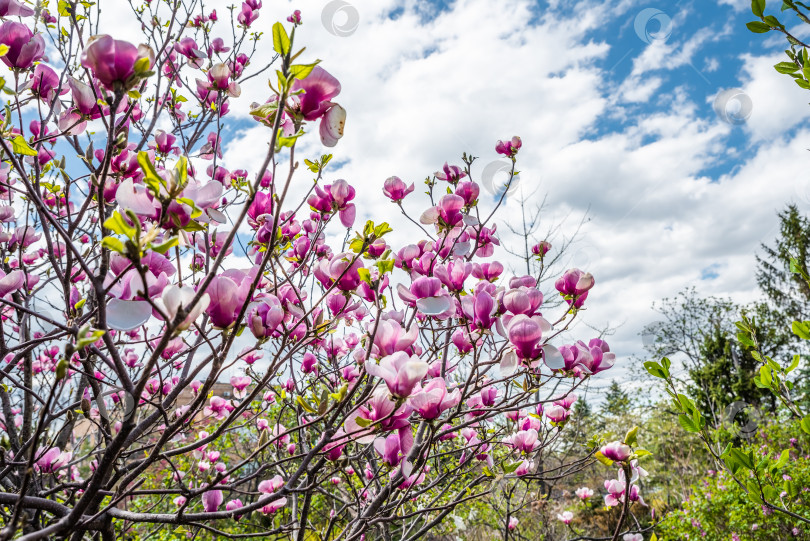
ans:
(303, 403)
(61, 369)
(363, 423)
(805, 424)
(765, 375)
(786, 67)
(655, 369)
(356, 245)
(783, 459)
(20, 146)
(164, 247)
(642, 452)
(796, 360)
(118, 225)
(301, 71)
(758, 7)
(386, 265)
(603, 459)
(774, 22)
(86, 337)
(801, 329)
(151, 178)
(113, 244)
(510, 468)
(281, 41)
(365, 275)
(631, 438)
(758, 27)
(744, 339)
(687, 423)
(382, 229)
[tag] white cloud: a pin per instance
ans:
(420, 92)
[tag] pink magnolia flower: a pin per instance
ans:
(228, 292)
(541, 248)
(566, 517)
(523, 300)
(583, 493)
(395, 189)
(176, 297)
(433, 399)
(274, 506)
(524, 441)
(487, 271)
(513, 522)
(574, 285)
(319, 88)
(616, 489)
(52, 460)
(510, 147)
(114, 62)
(211, 500)
(45, 82)
(24, 47)
(234, 505)
(335, 197)
(453, 274)
(269, 486)
(616, 451)
(640, 537)
(525, 334)
(13, 8)
(218, 407)
(240, 383)
(392, 448)
(400, 372)
(447, 213)
(524, 468)
(265, 316)
(556, 413)
(295, 18)
(451, 173)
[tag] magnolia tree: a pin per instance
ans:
(371, 388)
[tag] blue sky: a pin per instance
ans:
(617, 129)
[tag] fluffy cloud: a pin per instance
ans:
(669, 188)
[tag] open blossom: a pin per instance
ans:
(240, 383)
(513, 522)
(566, 517)
(52, 460)
(400, 372)
(176, 297)
(433, 399)
(24, 47)
(575, 284)
(616, 451)
(114, 62)
(395, 189)
(211, 500)
(524, 441)
(510, 147)
(583, 493)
